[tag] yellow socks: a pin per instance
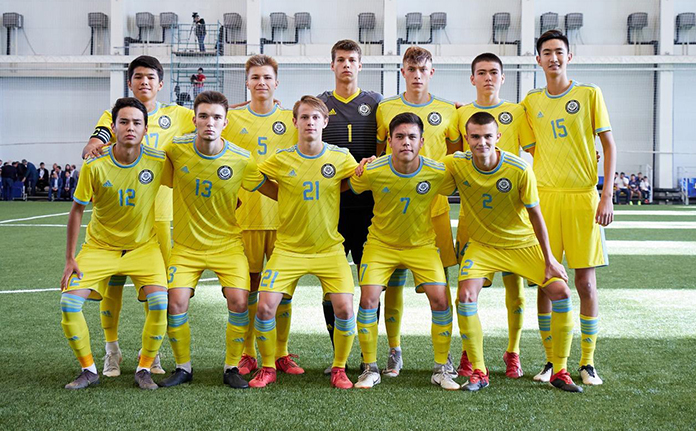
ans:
(472, 334)
(155, 327)
(367, 334)
(441, 333)
(562, 332)
(514, 302)
(544, 320)
(266, 337)
(283, 318)
(250, 336)
(179, 333)
(394, 306)
(589, 326)
(344, 334)
(110, 307)
(237, 326)
(75, 328)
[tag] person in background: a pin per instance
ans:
(54, 186)
(42, 177)
(199, 29)
(9, 173)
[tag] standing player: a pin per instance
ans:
(487, 76)
(404, 185)
(566, 116)
(122, 185)
(441, 137)
(352, 125)
(262, 127)
(309, 177)
(500, 209)
(206, 173)
(145, 79)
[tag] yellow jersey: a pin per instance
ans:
(205, 193)
(494, 204)
(515, 132)
(309, 189)
(402, 201)
(123, 198)
(440, 124)
(262, 136)
(163, 124)
(565, 127)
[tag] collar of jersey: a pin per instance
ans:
(113, 159)
(304, 156)
(546, 91)
(275, 106)
(415, 105)
(500, 163)
(157, 106)
(488, 107)
(348, 99)
(224, 148)
(412, 174)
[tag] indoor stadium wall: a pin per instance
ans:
(53, 91)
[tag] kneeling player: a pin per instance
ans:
(309, 177)
(506, 233)
(404, 186)
(122, 185)
(206, 173)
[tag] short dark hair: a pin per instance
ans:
(128, 102)
(486, 56)
(405, 118)
(345, 45)
(550, 35)
(148, 62)
(211, 98)
(481, 119)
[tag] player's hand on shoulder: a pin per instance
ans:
(70, 269)
(94, 150)
(605, 212)
(361, 166)
(555, 269)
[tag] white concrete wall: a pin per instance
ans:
(684, 119)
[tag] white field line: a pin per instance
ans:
(653, 248)
(656, 213)
(637, 224)
(36, 225)
(52, 289)
(37, 217)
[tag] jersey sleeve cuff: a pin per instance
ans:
(261, 183)
(602, 129)
(529, 146)
(459, 139)
(532, 205)
(351, 187)
(79, 201)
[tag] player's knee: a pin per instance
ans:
(466, 295)
(265, 311)
(439, 303)
(343, 309)
(177, 304)
(557, 291)
(586, 290)
(369, 302)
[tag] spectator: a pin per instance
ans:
(623, 188)
(31, 177)
(198, 82)
(634, 189)
(645, 190)
(68, 186)
(617, 183)
(42, 177)
(21, 172)
(199, 29)
(9, 174)
(57, 170)
(75, 174)
(54, 186)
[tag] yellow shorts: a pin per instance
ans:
(443, 240)
(460, 247)
(144, 265)
(481, 260)
(379, 262)
(230, 266)
(257, 245)
(570, 220)
(284, 269)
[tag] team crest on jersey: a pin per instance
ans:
(423, 187)
(505, 118)
(279, 128)
(164, 122)
(364, 110)
(434, 118)
(224, 172)
(572, 106)
(146, 176)
(328, 170)
(503, 185)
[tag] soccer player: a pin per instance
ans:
(309, 178)
(500, 209)
(487, 76)
(206, 174)
(441, 137)
(404, 185)
(262, 127)
(122, 185)
(352, 125)
(566, 116)
(145, 79)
